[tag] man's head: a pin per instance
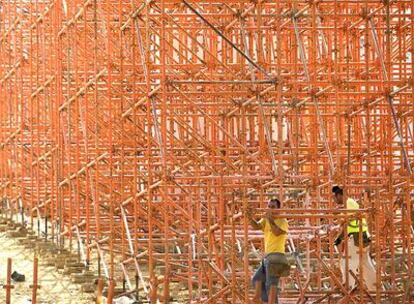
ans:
(338, 194)
(274, 203)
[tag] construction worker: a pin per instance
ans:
(274, 264)
(353, 230)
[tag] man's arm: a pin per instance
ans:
(340, 237)
(253, 223)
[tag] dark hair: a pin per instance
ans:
(337, 190)
(275, 200)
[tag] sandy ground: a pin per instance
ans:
(55, 288)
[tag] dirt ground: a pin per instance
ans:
(55, 288)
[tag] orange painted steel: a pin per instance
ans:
(141, 131)
(35, 286)
(8, 286)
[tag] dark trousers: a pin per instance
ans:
(267, 277)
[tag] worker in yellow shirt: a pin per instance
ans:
(274, 264)
(352, 229)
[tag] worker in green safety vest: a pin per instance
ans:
(353, 230)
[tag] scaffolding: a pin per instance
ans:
(142, 131)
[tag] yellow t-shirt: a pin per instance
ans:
(274, 243)
(353, 225)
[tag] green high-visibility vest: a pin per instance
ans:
(353, 225)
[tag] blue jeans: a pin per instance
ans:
(265, 276)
